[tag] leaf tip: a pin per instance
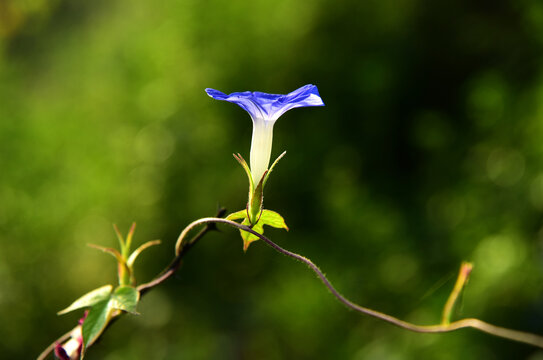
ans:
(246, 245)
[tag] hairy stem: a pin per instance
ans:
(515, 335)
(176, 262)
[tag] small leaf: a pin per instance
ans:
(268, 217)
(272, 218)
(125, 298)
(96, 321)
(135, 254)
(89, 299)
(238, 215)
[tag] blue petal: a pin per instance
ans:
(270, 106)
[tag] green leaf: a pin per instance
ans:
(268, 217)
(247, 237)
(96, 321)
(135, 254)
(273, 219)
(238, 215)
(89, 299)
(125, 298)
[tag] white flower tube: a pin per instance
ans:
(261, 146)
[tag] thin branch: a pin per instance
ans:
(520, 336)
(176, 262)
(51, 347)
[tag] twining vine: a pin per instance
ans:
(183, 246)
(107, 304)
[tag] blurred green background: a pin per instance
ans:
(429, 152)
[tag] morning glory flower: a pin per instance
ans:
(264, 110)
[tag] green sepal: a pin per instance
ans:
(125, 262)
(245, 167)
(125, 243)
(125, 298)
(96, 321)
(256, 199)
(267, 175)
(119, 237)
(256, 194)
(89, 299)
(254, 204)
(128, 241)
(111, 251)
(135, 254)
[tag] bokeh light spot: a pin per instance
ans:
(505, 167)
(536, 192)
(486, 100)
(154, 144)
(497, 254)
(398, 271)
(432, 130)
